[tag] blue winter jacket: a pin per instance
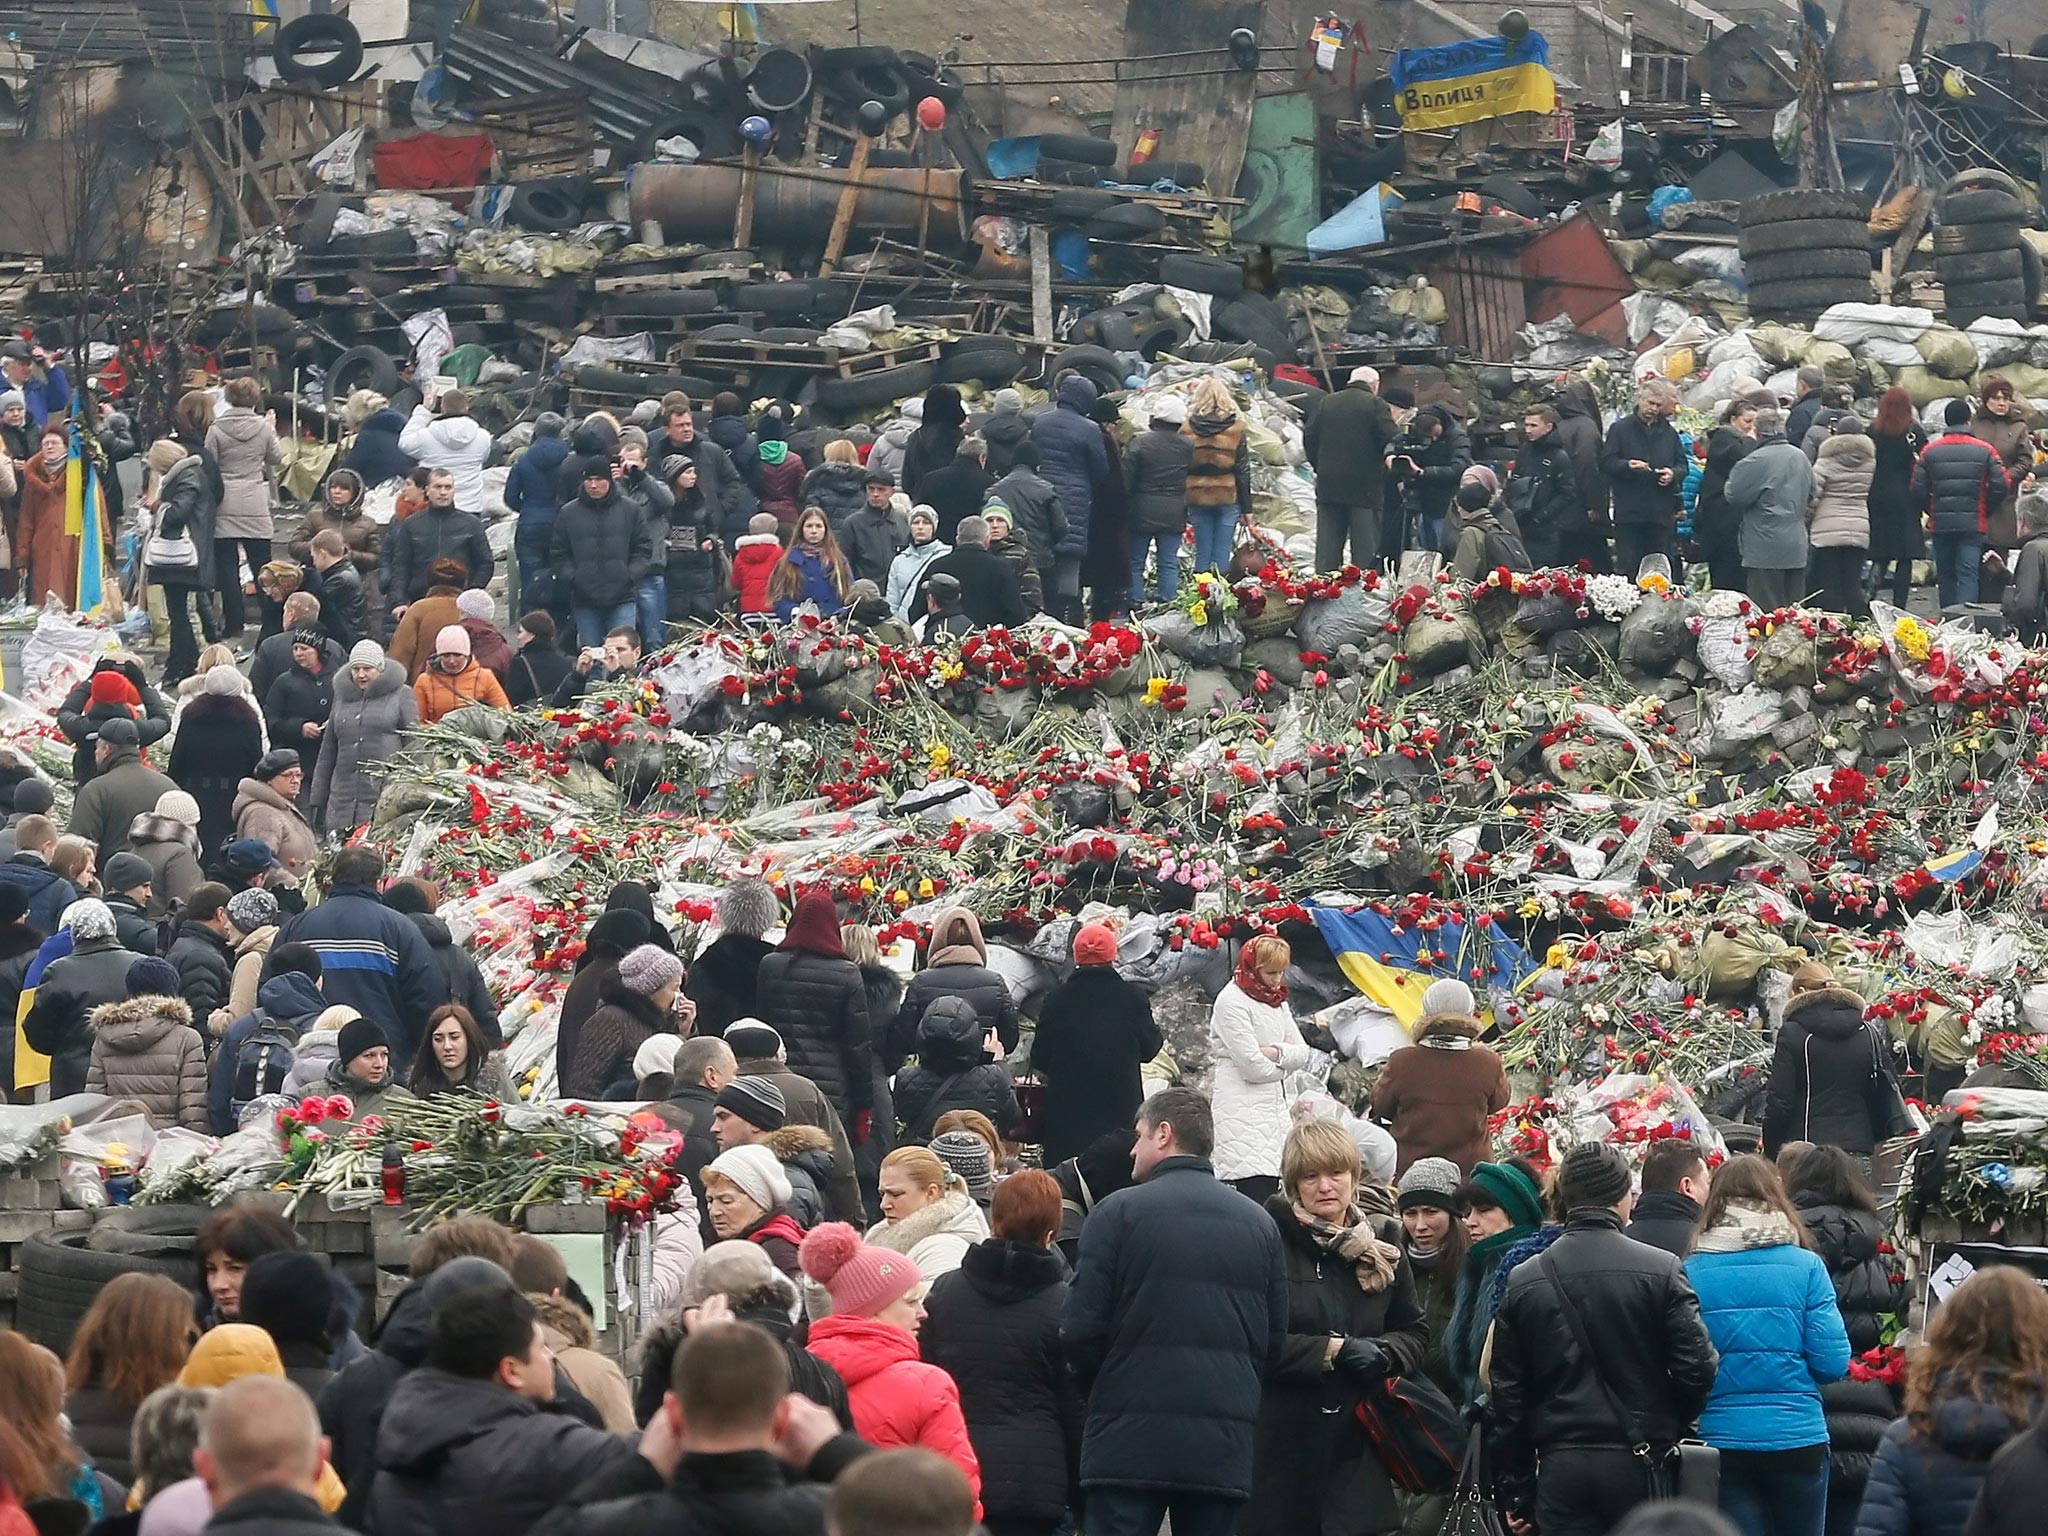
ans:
(530, 487)
(1072, 458)
(1772, 1316)
(1926, 1486)
(375, 961)
(375, 454)
(290, 996)
(818, 586)
(47, 395)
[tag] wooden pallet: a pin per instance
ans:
(545, 134)
(746, 357)
(658, 282)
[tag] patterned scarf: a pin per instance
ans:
(1374, 1261)
(1253, 986)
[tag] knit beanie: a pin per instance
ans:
(173, 803)
(756, 1171)
(357, 1036)
(124, 872)
(1007, 399)
(1448, 995)
(967, 1155)
(755, 1100)
(453, 640)
(253, 909)
(151, 976)
(222, 681)
(1431, 1181)
(289, 1296)
(656, 1057)
(733, 1268)
(474, 604)
(1095, 944)
(648, 969)
(861, 1278)
(1593, 1173)
(34, 797)
(1512, 1190)
(751, 1040)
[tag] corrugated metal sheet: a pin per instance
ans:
(111, 31)
(1483, 291)
(1200, 102)
(1571, 270)
(495, 66)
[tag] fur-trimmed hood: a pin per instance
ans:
(564, 1321)
(953, 1213)
(152, 828)
(1827, 1011)
(1853, 447)
(1447, 1031)
(794, 1141)
(139, 1024)
(755, 540)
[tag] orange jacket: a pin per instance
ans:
(440, 692)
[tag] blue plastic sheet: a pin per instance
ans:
(1362, 222)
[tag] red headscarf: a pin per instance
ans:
(814, 926)
(1253, 985)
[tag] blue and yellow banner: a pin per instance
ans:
(1471, 81)
(1394, 967)
(82, 516)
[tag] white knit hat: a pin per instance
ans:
(756, 1171)
(179, 806)
(1447, 995)
(366, 653)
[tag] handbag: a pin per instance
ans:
(1414, 1430)
(1687, 1469)
(169, 552)
(1473, 1511)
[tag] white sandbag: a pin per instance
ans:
(1998, 340)
(1854, 324)
(1716, 261)
(1736, 346)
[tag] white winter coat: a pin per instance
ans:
(1249, 1097)
(454, 443)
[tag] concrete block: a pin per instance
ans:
(586, 1217)
(1790, 733)
(20, 1226)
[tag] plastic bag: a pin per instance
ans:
(1658, 635)
(1948, 352)
(1218, 643)
(62, 648)
(1436, 645)
(1354, 616)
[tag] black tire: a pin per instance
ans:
(930, 78)
(1127, 221)
(833, 60)
(832, 297)
(788, 335)
(727, 332)
(1996, 236)
(60, 1278)
(1084, 147)
(548, 207)
(886, 83)
(669, 301)
(1979, 177)
(323, 34)
(2010, 291)
(1162, 337)
(773, 298)
(363, 368)
(1182, 173)
(1303, 395)
(1989, 206)
(1097, 366)
(712, 134)
(1800, 266)
(317, 228)
(1512, 194)
(645, 386)
(1801, 204)
(1075, 204)
(718, 261)
(1967, 268)
(1204, 274)
(867, 391)
(1113, 330)
(992, 366)
(1053, 172)
(475, 293)
(1804, 298)
(1804, 235)
(382, 245)
(2030, 273)
(1225, 352)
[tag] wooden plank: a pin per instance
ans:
(656, 282)
(1041, 283)
(743, 220)
(849, 198)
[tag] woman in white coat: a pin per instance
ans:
(1256, 1044)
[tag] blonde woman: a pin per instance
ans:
(839, 484)
(1219, 479)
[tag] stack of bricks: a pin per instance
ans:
(30, 1202)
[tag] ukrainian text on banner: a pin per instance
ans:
(1468, 82)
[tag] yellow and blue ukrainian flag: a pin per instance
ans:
(1386, 964)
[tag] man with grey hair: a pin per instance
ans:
(1806, 404)
(1645, 462)
(1346, 439)
(721, 980)
(990, 592)
(260, 1454)
(1768, 493)
(2026, 598)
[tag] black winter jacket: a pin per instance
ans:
(1156, 479)
(1095, 1030)
(953, 1072)
(1346, 439)
(271, 1512)
(1714, 523)
(1578, 428)
(296, 700)
(655, 502)
(48, 893)
(1638, 498)
(1004, 431)
(933, 448)
(1866, 1289)
(1036, 512)
(1895, 531)
(820, 1007)
(430, 534)
(721, 980)
(77, 720)
(1857, 1413)
(1313, 1468)
(1957, 482)
(375, 454)
(95, 972)
(100, 1427)
(735, 1493)
(2015, 1489)
(1827, 1084)
(1665, 1219)
(455, 1454)
(1441, 461)
(959, 489)
(1074, 458)
(993, 1324)
(981, 988)
(132, 927)
(602, 547)
(1546, 1394)
(837, 490)
(220, 741)
(767, 1309)
(464, 981)
(990, 592)
(537, 671)
(1177, 1312)
(1543, 494)
(687, 1110)
(352, 1404)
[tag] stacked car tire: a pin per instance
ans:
(1986, 267)
(1804, 250)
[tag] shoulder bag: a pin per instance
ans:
(1473, 1511)
(1414, 1430)
(1688, 1469)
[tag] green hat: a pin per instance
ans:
(1512, 1190)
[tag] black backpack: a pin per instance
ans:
(263, 1062)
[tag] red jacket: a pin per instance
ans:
(490, 648)
(782, 489)
(752, 561)
(896, 1398)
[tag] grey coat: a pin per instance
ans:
(146, 1049)
(104, 812)
(1769, 492)
(172, 851)
(1842, 472)
(245, 447)
(364, 728)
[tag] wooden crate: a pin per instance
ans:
(545, 134)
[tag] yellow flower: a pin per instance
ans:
(867, 885)
(1155, 690)
(1557, 957)
(926, 890)
(1654, 582)
(940, 755)
(1912, 637)
(1199, 613)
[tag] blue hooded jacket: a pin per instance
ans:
(530, 489)
(375, 961)
(1072, 457)
(817, 587)
(375, 454)
(1772, 1315)
(290, 996)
